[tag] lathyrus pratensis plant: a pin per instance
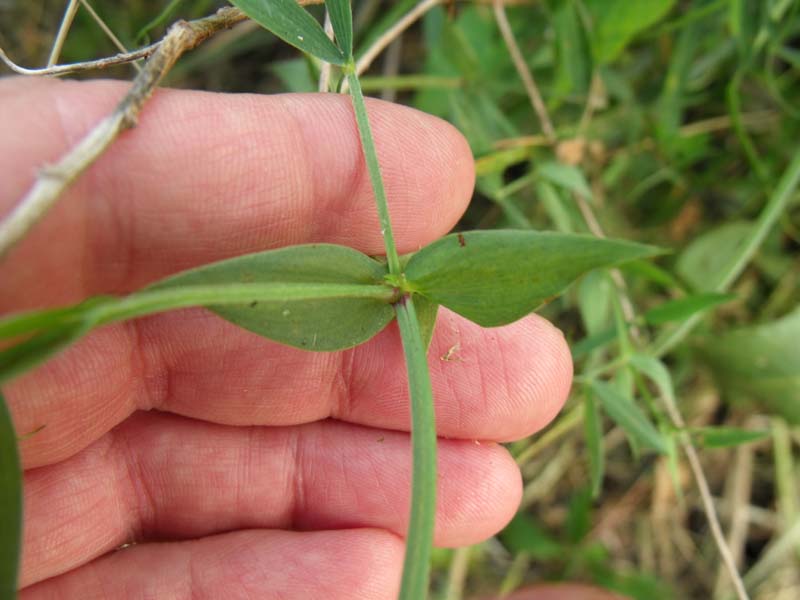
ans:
(323, 297)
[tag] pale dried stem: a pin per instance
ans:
(68, 69)
(63, 30)
(390, 35)
(117, 59)
(522, 70)
(53, 180)
(107, 30)
(740, 488)
(591, 103)
(457, 576)
(625, 302)
(325, 71)
(707, 500)
(391, 67)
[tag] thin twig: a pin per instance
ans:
(705, 495)
(457, 576)
(741, 484)
(390, 35)
(91, 65)
(53, 180)
(592, 102)
(391, 67)
(107, 30)
(523, 71)
(118, 59)
(63, 30)
(625, 302)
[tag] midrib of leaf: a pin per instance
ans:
(108, 309)
(149, 302)
(416, 564)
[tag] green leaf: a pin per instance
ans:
(655, 370)
(17, 359)
(683, 308)
(313, 324)
(566, 176)
(725, 437)
(702, 264)
(579, 516)
(294, 25)
(496, 277)
(594, 302)
(630, 417)
(525, 534)
(416, 564)
(616, 23)
(426, 315)
(574, 65)
(28, 322)
(10, 504)
(759, 364)
(593, 431)
(342, 21)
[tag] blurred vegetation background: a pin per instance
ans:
(675, 122)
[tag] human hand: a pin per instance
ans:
(240, 467)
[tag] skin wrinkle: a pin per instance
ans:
(143, 504)
(342, 388)
(295, 480)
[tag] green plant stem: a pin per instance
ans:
(772, 211)
(371, 158)
(416, 565)
(10, 504)
(409, 82)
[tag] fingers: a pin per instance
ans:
(493, 384)
(207, 176)
(362, 564)
(165, 477)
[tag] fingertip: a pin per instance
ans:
(494, 482)
(500, 383)
(442, 169)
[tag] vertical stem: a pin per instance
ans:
(524, 74)
(416, 565)
(63, 30)
(371, 157)
(11, 503)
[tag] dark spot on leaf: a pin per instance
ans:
(461, 241)
(254, 303)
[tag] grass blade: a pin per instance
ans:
(416, 565)
(342, 20)
(10, 504)
(630, 417)
(294, 25)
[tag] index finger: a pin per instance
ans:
(207, 176)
